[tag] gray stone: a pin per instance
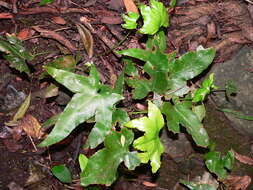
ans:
(238, 70)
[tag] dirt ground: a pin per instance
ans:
(50, 31)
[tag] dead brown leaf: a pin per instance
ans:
(6, 15)
(237, 182)
(31, 126)
(149, 184)
(130, 6)
(59, 20)
(52, 34)
(243, 159)
(25, 33)
(87, 39)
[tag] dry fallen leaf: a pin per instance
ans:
(130, 6)
(59, 20)
(6, 15)
(31, 126)
(25, 33)
(237, 182)
(87, 39)
(243, 159)
(149, 184)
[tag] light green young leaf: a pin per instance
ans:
(150, 143)
(62, 173)
(196, 186)
(130, 20)
(218, 164)
(83, 161)
(86, 103)
(205, 89)
(182, 114)
(187, 67)
(154, 17)
(15, 53)
(102, 166)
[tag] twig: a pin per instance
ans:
(6, 5)
(54, 35)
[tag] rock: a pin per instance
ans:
(237, 69)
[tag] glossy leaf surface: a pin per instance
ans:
(15, 53)
(182, 114)
(218, 164)
(130, 20)
(149, 143)
(102, 166)
(86, 103)
(205, 89)
(62, 173)
(187, 67)
(154, 16)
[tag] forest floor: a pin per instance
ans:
(50, 31)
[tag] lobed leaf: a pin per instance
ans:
(182, 114)
(102, 166)
(150, 143)
(130, 20)
(86, 103)
(187, 67)
(154, 17)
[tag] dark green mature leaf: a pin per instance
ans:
(119, 85)
(157, 41)
(187, 67)
(141, 87)
(157, 66)
(130, 20)
(15, 53)
(230, 88)
(102, 166)
(182, 114)
(238, 114)
(86, 103)
(120, 115)
(218, 164)
(195, 186)
(150, 143)
(130, 69)
(154, 17)
(62, 173)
